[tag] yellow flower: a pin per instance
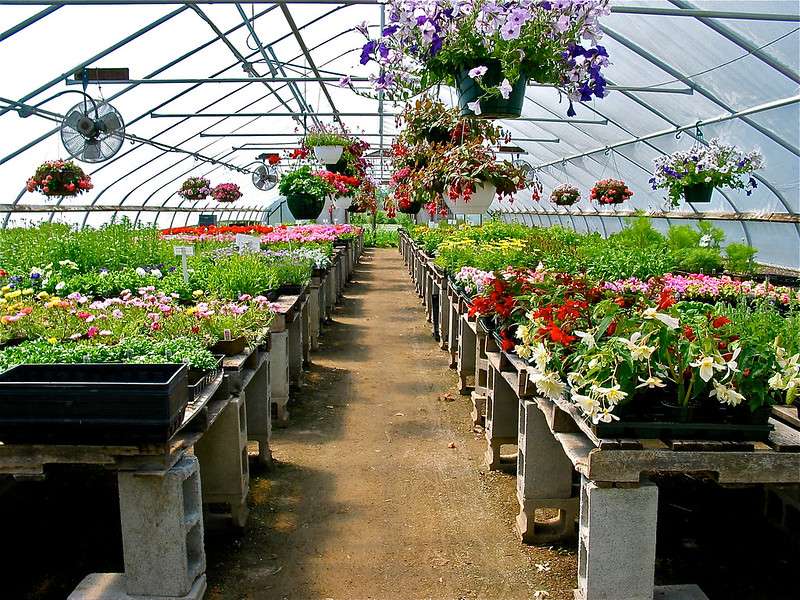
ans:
(5, 289)
(27, 292)
(52, 340)
(198, 293)
(3, 301)
(14, 294)
(42, 295)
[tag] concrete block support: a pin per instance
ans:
(162, 530)
(544, 480)
(295, 329)
(478, 413)
(466, 353)
(444, 314)
(259, 411)
(331, 289)
(305, 324)
(481, 362)
(617, 542)
(279, 374)
(502, 416)
(453, 333)
(314, 303)
(222, 453)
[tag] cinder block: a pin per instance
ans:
(543, 469)
(501, 417)
(111, 586)
(222, 453)
(259, 411)
(466, 354)
(279, 374)
(295, 348)
(314, 315)
(617, 542)
(541, 531)
(162, 530)
(478, 409)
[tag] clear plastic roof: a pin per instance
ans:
(733, 62)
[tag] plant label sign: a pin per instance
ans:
(183, 252)
(247, 242)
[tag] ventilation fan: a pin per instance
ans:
(530, 173)
(93, 132)
(265, 177)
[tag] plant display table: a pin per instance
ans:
(602, 484)
(161, 503)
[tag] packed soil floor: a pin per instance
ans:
(379, 491)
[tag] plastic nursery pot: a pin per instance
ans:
(478, 203)
(698, 193)
(343, 203)
(492, 107)
(304, 206)
(328, 155)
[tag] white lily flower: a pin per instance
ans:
(587, 404)
(549, 384)
(707, 365)
(669, 321)
(776, 382)
(726, 395)
(541, 356)
(651, 382)
(587, 338)
(613, 394)
(605, 416)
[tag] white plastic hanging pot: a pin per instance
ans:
(478, 203)
(343, 203)
(328, 155)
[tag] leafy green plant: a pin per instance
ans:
(303, 182)
(325, 138)
(740, 258)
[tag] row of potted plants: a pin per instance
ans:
(633, 354)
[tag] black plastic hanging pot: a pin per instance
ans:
(305, 206)
(495, 106)
(412, 208)
(698, 192)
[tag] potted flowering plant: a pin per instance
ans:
(565, 195)
(366, 199)
(226, 192)
(489, 51)
(327, 144)
(695, 173)
(345, 187)
(305, 192)
(195, 188)
(472, 177)
(59, 178)
(610, 191)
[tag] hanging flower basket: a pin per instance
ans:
(305, 206)
(475, 204)
(328, 155)
(195, 188)
(501, 44)
(408, 206)
(610, 191)
(59, 179)
(565, 195)
(226, 192)
(698, 193)
(473, 101)
(343, 202)
(693, 174)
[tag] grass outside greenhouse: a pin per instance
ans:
(400, 299)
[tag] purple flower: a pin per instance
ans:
(510, 31)
(505, 89)
(475, 106)
(344, 81)
(367, 51)
(391, 30)
(478, 71)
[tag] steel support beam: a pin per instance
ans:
(287, 14)
(29, 21)
(98, 56)
(697, 87)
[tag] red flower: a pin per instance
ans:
(665, 300)
(720, 321)
(612, 328)
(688, 333)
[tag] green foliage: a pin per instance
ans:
(698, 260)
(232, 276)
(189, 350)
(325, 138)
(303, 182)
(740, 258)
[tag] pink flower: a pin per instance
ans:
(92, 331)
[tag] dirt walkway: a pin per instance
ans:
(367, 500)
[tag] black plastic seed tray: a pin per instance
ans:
(115, 404)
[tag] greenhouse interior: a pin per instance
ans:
(400, 299)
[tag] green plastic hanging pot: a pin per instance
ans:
(305, 206)
(492, 107)
(698, 192)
